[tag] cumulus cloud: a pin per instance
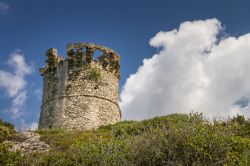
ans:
(4, 7)
(14, 83)
(196, 70)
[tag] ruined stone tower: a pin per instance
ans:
(80, 92)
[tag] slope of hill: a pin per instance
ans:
(177, 139)
(7, 157)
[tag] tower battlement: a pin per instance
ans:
(80, 92)
(80, 54)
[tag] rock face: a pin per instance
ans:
(30, 143)
(80, 92)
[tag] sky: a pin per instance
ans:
(176, 56)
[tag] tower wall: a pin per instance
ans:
(79, 92)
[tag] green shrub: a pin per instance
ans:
(6, 130)
(6, 124)
(190, 145)
(4, 133)
(240, 126)
(94, 74)
(171, 140)
(6, 156)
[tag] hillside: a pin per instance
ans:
(177, 139)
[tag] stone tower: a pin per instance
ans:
(80, 92)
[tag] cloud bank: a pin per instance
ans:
(195, 69)
(14, 83)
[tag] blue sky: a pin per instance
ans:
(30, 27)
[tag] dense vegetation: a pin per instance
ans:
(7, 157)
(177, 139)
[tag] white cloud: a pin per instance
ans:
(4, 7)
(28, 126)
(14, 83)
(194, 70)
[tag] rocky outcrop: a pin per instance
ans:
(28, 142)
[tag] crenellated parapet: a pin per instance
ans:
(82, 54)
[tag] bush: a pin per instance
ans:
(190, 145)
(240, 125)
(6, 130)
(6, 156)
(4, 133)
(171, 140)
(6, 124)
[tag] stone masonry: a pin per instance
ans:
(80, 92)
